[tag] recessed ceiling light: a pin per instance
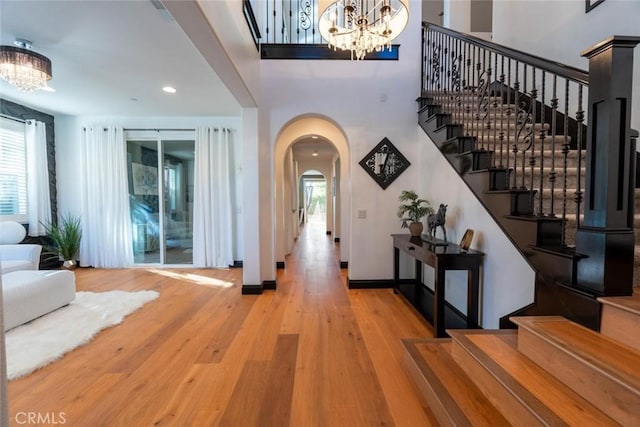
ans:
(48, 89)
(314, 136)
(315, 153)
(169, 89)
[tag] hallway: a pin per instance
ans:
(310, 353)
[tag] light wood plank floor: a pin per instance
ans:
(312, 353)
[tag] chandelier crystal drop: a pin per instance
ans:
(363, 26)
(23, 68)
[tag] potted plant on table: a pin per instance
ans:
(412, 210)
(65, 240)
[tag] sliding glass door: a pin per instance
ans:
(161, 197)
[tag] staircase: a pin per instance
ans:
(513, 127)
(551, 371)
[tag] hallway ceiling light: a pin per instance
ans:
(315, 153)
(362, 26)
(23, 68)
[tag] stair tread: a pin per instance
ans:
(546, 396)
(630, 303)
(464, 403)
(616, 360)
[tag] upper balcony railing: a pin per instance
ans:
(288, 29)
(283, 21)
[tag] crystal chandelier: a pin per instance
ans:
(362, 26)
(23, 68)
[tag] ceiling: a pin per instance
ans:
(113, 58)
(303, 150)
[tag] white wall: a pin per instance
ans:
(507, 279)
(350, 93)
(458, 16)
(432, 11)
(560, 30)
(68, 155)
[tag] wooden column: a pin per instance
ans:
(606, 235)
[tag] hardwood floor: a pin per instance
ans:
(311, 353)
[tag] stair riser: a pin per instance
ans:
(487, 137)
(508, 404)
(558, 201)
(450, 97)
(472, 106)
(429, 394)
(541, 158)
(558, 196)
(490, 126)
(609, 396)
(546, 161)
(572, 178)
(450, 394)
(621, 325)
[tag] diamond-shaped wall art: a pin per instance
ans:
(384, 163)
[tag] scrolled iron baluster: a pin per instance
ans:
(476, 98)
(552, 174)
(579, 120)
(305, 17)
(461, 84)
(543, 135)
(524, 128)
(450, 63)
(516, 92)
(532, 146)
(466, 110)
(482, 109)
(446, 72)
(455, 83)
(435, 69)
(509, 113)
(495, 111)
(442, 81)
(565, 159)
(501, 134)
(425, 44)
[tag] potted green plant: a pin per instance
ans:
(65, 239)
(412, 210)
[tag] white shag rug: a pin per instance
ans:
(48, 338)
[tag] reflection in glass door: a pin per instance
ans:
(161, 202)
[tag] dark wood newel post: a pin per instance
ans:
(606, 235)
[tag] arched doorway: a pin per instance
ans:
(310, 130)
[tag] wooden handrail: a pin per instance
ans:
(557, 68)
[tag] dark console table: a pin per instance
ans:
(441, 258)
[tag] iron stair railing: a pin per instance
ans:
(526, 111)
(522, 120)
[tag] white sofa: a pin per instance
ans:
(19, 257)
(28, 295)
(15, 257)
(27, 292)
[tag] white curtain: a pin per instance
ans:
(106, 219)
(212, 210)
(39, 206)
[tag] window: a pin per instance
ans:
(13, 170)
